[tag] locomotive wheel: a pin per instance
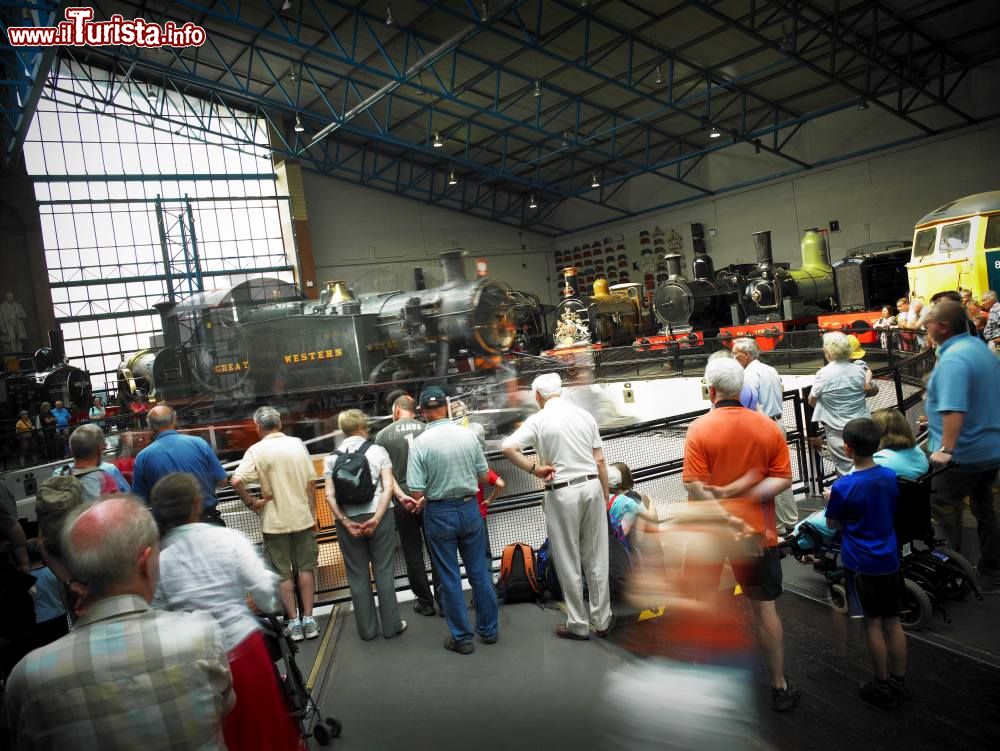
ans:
(961, 575)
(917, 609)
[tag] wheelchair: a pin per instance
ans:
(932, 573)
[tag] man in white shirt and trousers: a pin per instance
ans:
(766, 383)
(571, 464)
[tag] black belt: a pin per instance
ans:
(577, 481)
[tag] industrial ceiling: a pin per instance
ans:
(551, 115)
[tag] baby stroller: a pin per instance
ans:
(300, 702)
(931, 573)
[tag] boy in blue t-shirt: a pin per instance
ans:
(863, 505)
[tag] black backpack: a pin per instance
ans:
(352, 477)
(517, 574)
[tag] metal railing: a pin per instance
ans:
(654, 451)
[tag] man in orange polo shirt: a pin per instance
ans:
(741, 458)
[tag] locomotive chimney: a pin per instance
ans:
(168, 322)
(57, 345)
(703, 268)
(762, 243)
(454, 272)
(570, 288)
(673, 261)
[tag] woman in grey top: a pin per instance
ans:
(838, 396)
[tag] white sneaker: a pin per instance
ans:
(310, 628)
(294, 629)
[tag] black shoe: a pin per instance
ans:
(489, 639)
(421, 608)
(898, 689)
(783, 699)
(877, 695)
(462, 647)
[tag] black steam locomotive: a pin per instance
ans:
(767, 293)
(259, 338)
(28, 380)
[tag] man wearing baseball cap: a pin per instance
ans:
(446, 466)
(571, 464)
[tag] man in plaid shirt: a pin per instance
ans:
(127, 676)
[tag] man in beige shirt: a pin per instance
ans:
(287, 509)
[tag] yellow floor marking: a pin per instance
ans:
(321, 653)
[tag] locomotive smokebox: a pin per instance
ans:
(454, 270)
(762, 244)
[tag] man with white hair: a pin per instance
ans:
(127, 676)
(287, 509)
(741, 458)
(765, 382)
(571, 463)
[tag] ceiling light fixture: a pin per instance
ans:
(565, 138)
(291, 76)
(532, 203)
(486, 12)
(388, 15)
(862, 105)
(714, 133)
(437, 143)
(286, 6)
(538, 88)
(299, 127)
(659, 75)
(594, 182)
(452, 179)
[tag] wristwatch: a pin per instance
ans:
(943, 450)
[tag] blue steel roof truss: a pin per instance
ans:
(532, 98)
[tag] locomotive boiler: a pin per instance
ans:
(705, 302)
(775, 294)
(615, 315)
(259, 338)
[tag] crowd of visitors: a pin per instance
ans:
(143, 621)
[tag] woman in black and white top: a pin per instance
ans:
(366, 532)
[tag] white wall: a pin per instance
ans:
(374, 240)
(874, 198)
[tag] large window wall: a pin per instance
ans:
(137, 186)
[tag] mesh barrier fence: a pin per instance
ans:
(654, 451)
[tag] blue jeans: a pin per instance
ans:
(452, 527)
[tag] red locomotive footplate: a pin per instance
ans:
(767, 335)
(661, 341)
(860, 324)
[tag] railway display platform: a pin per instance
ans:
(532, 690)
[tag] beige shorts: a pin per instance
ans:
(294, 550)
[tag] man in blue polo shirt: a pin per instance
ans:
(170, 452)
(445, 468)
(963, 416)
